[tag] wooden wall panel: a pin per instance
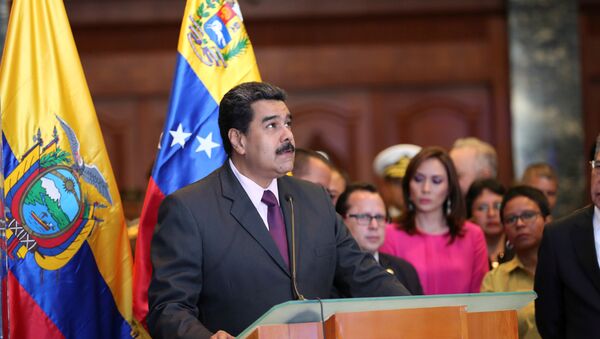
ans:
(433, 116)
(337, 123)
(590, 39)
(361, 76)
(590, 54)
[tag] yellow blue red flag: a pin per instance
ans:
(67, 265)
(214, 55)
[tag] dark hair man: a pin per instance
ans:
(222, 251)
(311, 166)
(363, 211)
(567, 278)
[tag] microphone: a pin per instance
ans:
(294, 283)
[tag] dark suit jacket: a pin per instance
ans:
(567, 279)
(404, 272)
(215, 265)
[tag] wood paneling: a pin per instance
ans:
(590, 54)
(590, 44)
(361, 75)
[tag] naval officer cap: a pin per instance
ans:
(393, 161)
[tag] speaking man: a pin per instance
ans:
(247, 237)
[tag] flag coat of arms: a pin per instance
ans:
(66, 260)
(214, 55)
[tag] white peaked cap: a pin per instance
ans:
(392, 156)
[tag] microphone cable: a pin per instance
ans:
(294, 284)
(293, 228)
(322, 317)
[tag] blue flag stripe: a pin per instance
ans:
(194, 108)
(84, 306)
(76, 311)
(10, 161)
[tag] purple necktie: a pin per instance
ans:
(276, 224)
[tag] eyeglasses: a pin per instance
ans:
(595, 164)
(526, 217)
(484, 208)
(364, 219)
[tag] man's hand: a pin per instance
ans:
(222, 335)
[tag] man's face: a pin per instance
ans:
(266, 151)
(317, 172)
(368, 236)
(596, 183)
(337, 185)
(464, 160)
(548, 186)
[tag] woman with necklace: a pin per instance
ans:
(483, 208)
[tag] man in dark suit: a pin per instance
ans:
(364, 213)
(567, 278)
(227, 248)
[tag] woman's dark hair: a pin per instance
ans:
(235, 111)
(528, 192)
(456, 217)
(477, 187)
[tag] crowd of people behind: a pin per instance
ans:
(442, 222)
(255, 233)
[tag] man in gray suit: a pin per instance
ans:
(567, 278)
(248, 237)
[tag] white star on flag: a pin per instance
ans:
(179, 136)
(206, 144)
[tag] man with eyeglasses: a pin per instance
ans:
(567, 279)
(363, 211)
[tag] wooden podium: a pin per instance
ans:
(485, 315)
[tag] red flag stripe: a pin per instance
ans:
(142, 275)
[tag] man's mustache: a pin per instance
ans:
(285, 147)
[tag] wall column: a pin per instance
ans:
(547, 123)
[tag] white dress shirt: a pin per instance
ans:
(255, 192)
(596, 223)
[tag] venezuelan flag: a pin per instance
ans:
(214, 55)
(67, 272)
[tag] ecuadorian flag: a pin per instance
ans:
(66, 259)
(214, 55)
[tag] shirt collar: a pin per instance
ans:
(596, 225)
(513, 264)
(254, 190)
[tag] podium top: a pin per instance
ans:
(310, 310)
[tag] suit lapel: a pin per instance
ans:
(383, 260)
(247, 216)
(583, 241)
